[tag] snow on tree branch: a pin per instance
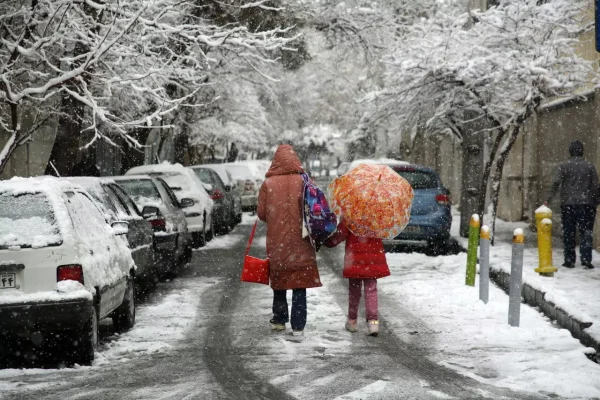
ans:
(128, 62)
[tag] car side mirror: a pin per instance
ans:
(228, 188)
(208, 187)
(120, 227)
(185, 203)
(150, 212)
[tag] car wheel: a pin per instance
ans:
(124, 316)
(86, 342)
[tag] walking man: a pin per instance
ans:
(579, 197)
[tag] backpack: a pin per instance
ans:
(319, 220)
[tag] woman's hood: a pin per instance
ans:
(285, 162)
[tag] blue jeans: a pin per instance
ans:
(280, 308)
(582, 217)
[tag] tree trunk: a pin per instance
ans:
(66, 144)
(497, 178)
(472, 167)
(487, 170)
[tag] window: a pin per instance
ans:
(88, 222)
(418, 179)
(27, 220)
(133, 209)
(205, 175)
(170, 194)
(122, 210)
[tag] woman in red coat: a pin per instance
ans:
(364, 263)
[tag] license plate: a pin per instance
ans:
(8, 281)
(412, 229)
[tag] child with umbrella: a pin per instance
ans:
(373, 203)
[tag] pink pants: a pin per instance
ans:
(370, 298)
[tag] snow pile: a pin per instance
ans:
(221, 242)
(159, 326)
(248, 219)
(63, 293)
(476, 339)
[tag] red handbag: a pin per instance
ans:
(255, 270)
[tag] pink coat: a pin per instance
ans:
(365, 257)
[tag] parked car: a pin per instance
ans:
(430, 217)
(191, 194)
(62, 267)
(222, 196)
(231, 187)
(172, 242)
(117, 206)
(248, 181)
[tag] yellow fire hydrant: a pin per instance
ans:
(543, 222)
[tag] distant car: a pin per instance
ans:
(231, 187)
(172, 242)
(430, 217)
(117, 206)
(62, 267)
(221, 195)
(248, 179)
(192, 196)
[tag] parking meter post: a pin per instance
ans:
(516, 278)
(543, 221)
(484, 264)
(474, 224)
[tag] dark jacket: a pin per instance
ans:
(578, 183)
(365, 257)
(293, 262)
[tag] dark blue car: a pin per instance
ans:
(430, 217)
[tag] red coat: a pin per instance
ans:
(364, 259)
(292, 259)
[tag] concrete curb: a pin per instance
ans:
(536, 298)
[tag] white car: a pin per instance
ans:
(249, 180)
(62, 267)
(192, 195)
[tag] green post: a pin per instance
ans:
(472, 251)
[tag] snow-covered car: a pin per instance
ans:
(221, 195)
(172, 242)
(192, 196)
(232, 189)
(63, 268)
(117, 206)
(249, 180)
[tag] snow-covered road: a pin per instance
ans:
(205, 335)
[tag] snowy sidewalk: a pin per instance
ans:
(574, 291)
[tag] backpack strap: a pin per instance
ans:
(251, 237)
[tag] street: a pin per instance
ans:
(205, 335)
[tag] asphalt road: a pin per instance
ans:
(229, 352)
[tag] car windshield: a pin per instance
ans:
(418, 179)
(240, 172)
(204, 175)
(27, 220)
(142, 191)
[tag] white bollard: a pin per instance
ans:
(484, 264)
(516, 278)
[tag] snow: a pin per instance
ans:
(518, 232)
(64, 291)
(475, 338)
(248, 219)
(34, 231)
(543, 210)
(159, 326)
(178, 176)
(221, 242)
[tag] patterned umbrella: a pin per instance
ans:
(374, 200)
